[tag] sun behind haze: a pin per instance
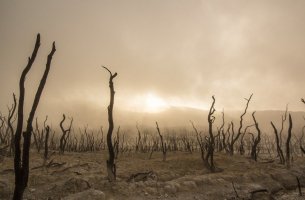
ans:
(172, 53)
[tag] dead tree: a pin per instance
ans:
(301, 140)
(200, 141)
(46, 146)
(65, 134)
(21, 164)
(163, 144)
(241, 147)
(256, 140)
(209, 158)
(225, 139)
(288, 142)
(39, 135)
(139, 145)
(11, 112)
(2, 139)
(301, 147)
(239, 132)
(111, 168)
(207, 146)
(278, 147)
(221, 132)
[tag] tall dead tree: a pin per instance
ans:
(207, 146)
(65, 134)
(239, 132)
(209, 158)
(111, 168)
(288, 142)
(256, 140)
(21, 164)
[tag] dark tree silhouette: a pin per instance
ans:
(163, 144)
(207, 146)
(278, 137)
(221, 132)
(46, 145)
(240, 132)
(65, 134)
(200, 141)
(209, 158)
(278, 147)
(301, 147)
(256, 140)
(241, 147)
(11, 112)
(301, 140)
(138, 140)
(288, 142)
(111, 168)
(39, 135)
(21, 165)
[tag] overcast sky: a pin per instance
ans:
(166, 53)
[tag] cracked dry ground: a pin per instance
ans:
(182, 176)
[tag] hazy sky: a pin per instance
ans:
(166, 53)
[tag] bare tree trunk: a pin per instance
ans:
(10, 126)
(288, 142)
(256, 141)
(301, 140)
(209, 158)
(65, 134)
(111, 168)
(234, 139)
(21, 167)
(200, 142)
(163, 144)
(278, 147)
(46, 147)
(139, 145)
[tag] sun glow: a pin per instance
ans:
(147, 102)
(154, 103)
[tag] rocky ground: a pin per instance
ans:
(83, 176)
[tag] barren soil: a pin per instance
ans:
(182, 176)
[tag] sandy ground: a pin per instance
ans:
(182, 176)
